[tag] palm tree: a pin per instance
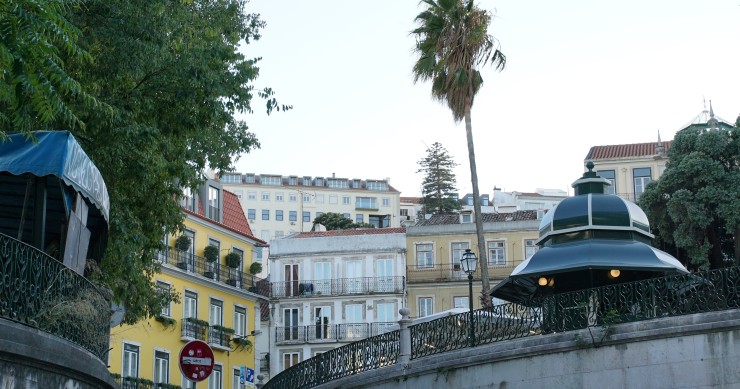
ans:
(452, 41)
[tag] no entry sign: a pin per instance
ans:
(196, 360)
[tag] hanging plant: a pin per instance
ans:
(242, 343)
(167, 322)
(183, 243)
(210, 253)
(233, 260)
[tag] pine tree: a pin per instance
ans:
(438, 188)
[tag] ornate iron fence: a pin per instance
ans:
(368, 354)
(713, 290)
(39, 291)
(193, 328)
(339, 286)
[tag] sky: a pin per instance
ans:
(579, 73)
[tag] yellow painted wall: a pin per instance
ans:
(151, 335)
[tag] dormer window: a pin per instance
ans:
(466, 217)
(214, 204)
(249, 179)
(188, 200)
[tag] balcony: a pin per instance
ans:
(446, 272)
(193, 328)
(329, 333)
(219, 337)
(216, 272)
(338, 287)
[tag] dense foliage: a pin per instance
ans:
(695, 205)
(337, 221)
(168, 78)
(438, 190)
(452, 41)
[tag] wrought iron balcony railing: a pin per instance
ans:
(220, 337)
(194, 329)
(708, 291)
(326, 333)
(451, 272)
(215, 271)
(39, 291)
(338, 287)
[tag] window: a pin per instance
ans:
(237, 382)
(239, 194)
(496, 252)
(386, 202)
(609, 176)
(187, 384)
(425, 306)
(215, 381)
(130, 360)
(366, 203)
(279, 234)
(292, 180)
(279, 196)
(319, 181)
(279, 215)
(642, 177)
(164, 288)
(306, 198)
(307, 180)
(293, 216)
(345, 200)
(405, 213)
(377, 185)
(240, 253)
(337, 184)
(530, 248)
(484, 201)
(231, 179)
(188, 200)
(306, 216)
(424, 255)
(265, 196)
(217, 313)
(319, 199)
(251, 195)
(292, 197)
(467, 218)
(290, 320)
(271, 180)
(265, 235)
(240, 321)
(214, 201)
(190, 305)
(460, 302)
(333, 199)
(249, 178)
(386, 313)
(360, 218)
(289, 359)
(257, 253)
(265, 214)
(161, 367)
(457, 250)
(251, 213)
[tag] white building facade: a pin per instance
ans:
(331, 288)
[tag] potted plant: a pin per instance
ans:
(210, 253)
(182, 244)
(233, 260)
(242, 343)
(167, 322)
(255, 268)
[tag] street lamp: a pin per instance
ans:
(469, 261)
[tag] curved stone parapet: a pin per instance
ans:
(31, 358)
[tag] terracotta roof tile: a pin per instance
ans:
(487, 218)
(414, 200)
(361, 231)
(625, 151)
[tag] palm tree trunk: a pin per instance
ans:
(482, 258)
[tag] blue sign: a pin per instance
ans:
(246, 376)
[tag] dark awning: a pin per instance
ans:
(56, 153)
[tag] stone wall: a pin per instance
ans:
(31, 359)
(692, 351)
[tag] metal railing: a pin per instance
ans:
(141, 383)
(219, 336)
(194, 329)
(714, 290)
(325, 333)
(212, 270)
(338, 287)
(450, 272)
(39, 291)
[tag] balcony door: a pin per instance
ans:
(384, 274)
(354, 322)
(291, 280)
(354, 277)
(322, 319)
(290, 320)
(322, 278)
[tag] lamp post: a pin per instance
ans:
(469, 262)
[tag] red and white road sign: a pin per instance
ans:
(196, 360)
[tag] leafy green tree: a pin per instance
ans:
(169, 77)
(452, 41)
(337, 221)
(35, 88)
(438, 187)
(695, 205)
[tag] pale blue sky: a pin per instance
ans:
(579, 74)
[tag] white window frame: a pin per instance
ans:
(429, 262)
(422, 308)
(161, 374)
(494, 260)
(126, 355)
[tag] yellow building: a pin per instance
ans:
(218, 304)
(436, 281)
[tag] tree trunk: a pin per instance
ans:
(482, 258)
